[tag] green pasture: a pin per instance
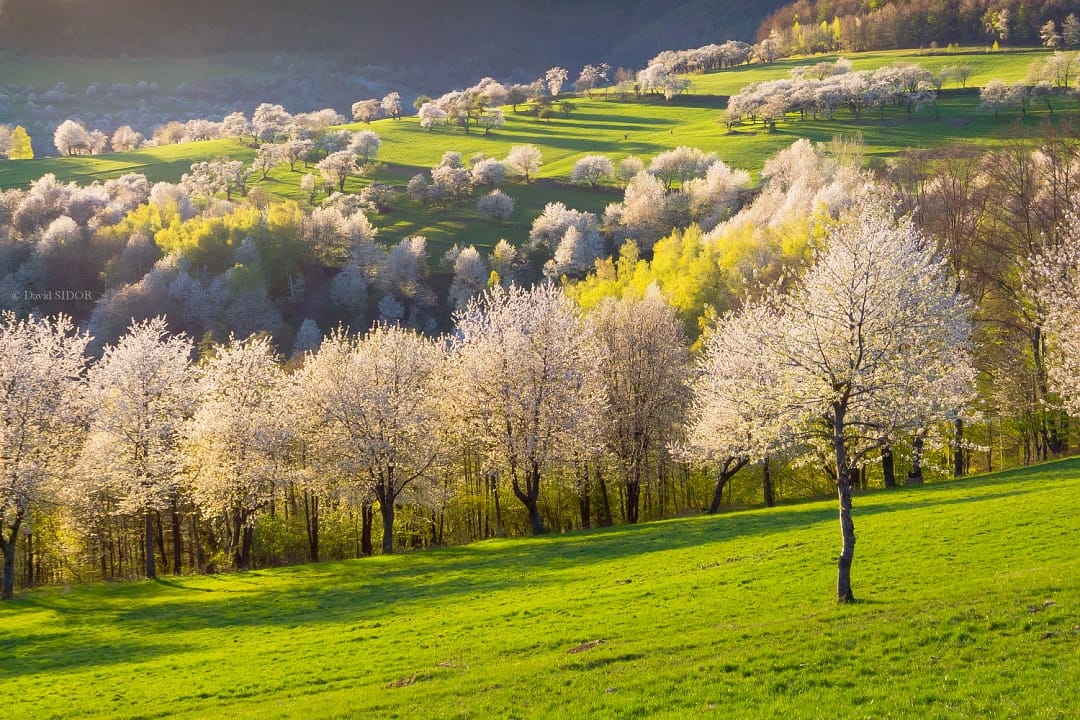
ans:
(969, 607)
(1009, 64)
(158, 164)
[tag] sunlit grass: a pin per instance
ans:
(968, 590)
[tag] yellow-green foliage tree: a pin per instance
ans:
(703, 275)
(21, 148)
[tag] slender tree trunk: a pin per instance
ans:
(500, 529)
(915, 477)
(159, 536)
(7, 544)
(236, 541)
(767, 485)
(386, 509)
(605, 518)
(888, 466)
(148, 545)
(718, 493)
(529, 497)
(177, 544)
(958, 447)
(585, 497)
(726, 472)
(633, 494)
(311, 523)
(367, 516)
(247, 539)
(847, 526)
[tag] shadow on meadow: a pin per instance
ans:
(369, 593)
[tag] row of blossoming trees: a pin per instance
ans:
(868, 345)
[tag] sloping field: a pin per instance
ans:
(969, 608)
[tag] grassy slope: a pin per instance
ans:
(969, 599)
(42, 73)
(603, 126)
(1009, 65)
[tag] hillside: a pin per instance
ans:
(607, 125)
(968, 590)
(481, 35)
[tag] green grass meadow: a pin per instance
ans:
(969, 607)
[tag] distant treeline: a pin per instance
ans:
(854, 25)
(491, 34)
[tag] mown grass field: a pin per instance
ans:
(969, 607)
(612, 127)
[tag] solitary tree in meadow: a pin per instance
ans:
(869, 344)
(523, 161)
(71, 138)
(592, 169)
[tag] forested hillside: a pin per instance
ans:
(854, 25)
(481, 34)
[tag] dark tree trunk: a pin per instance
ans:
(367, 517)
(915, 477)
(500, 529)
(177, 544)
(247, 540)
(958, 448)
(633, 495)
(718, 493)
(311, 524)
(888, 466)
(8, 546)
(605, 518)
(585, 498)
(159, 532)
(148, 545)
(844, 593)
(386, 509)
(529, 497)
(238, 541)
(726, 472)
(767, 485)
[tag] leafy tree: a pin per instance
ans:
(522, 382)
(1070, 31)
(139, 392)
(871, 343)
(375, 403)
(592, 169)
(496, 205)
(365, 144)
(41, 362)
(21, 149)
(338, 167)
(232, 442)
(391, 105)
(644, 366)
(366, 110)
(71, 138)
(125, 139)
(523, 161)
